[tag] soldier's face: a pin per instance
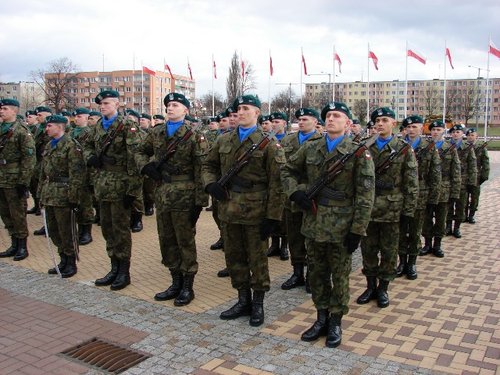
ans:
(356, 128)
(54, 130)
(384, 125)
(247, 115)
(233, 119)
(437, 133)
(336, 123)
(414, 130)
(8, 113)
(176, 111)
(81, 120)
(93, 120)
(213, 125)
(457, 135)
(307, 124)
(224, 124)
(41, 116)
(267, 126)
(109, 107)
(144, 123)
(132, 118)
(158, 121)
(471, 137)
(279, 126)
(31, 120)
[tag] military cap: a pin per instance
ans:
(414, 119)
(221, 115)
(20, 117)
(369, 124)
(355, 121)
(160, 117)
(278, 116)
(436, 124)
(30, 112)
(176, 97)
(42, 109)
(321, 122)
(56, 119)
(401, 128)
(382, 112)
(95, 113)
(458, 127)
(106, 94)
(263, 119)
(471, 130)
(65, 113)
(246, 99)
(12, 102)
(228, 111)
(132, 113)
(212, 119)
(307, 112)
(145, 115)
(336, 106)
(81, 111)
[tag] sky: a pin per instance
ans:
(97, 33)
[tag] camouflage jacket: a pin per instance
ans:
(211, 136)
(62, 173)
(346, 203)
(41, 139)
(429, 173)
(263, 199)
(17, 158)
(450, 173)
(119, 175)
(468, 164)
(396, 188)
(483, 162)
(183, 169)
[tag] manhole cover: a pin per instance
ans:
(105, 355)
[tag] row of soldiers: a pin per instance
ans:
(341, 193)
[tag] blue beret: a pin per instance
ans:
(382, 112)
(12, 102)
(307, 112)
(106, 94)
(81, 111)
(278, 116)
(246, 99)
(336, 106)
(56, 119)
(95, 113)
(412, 120)
(176, 97)
(42, 109)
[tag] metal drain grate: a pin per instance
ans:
(105, 355)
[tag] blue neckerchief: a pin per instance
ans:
(331, 144)
(244, 133)
(439, 144)
(305, 136)
(381, 142)
(55, 141)
(106, 123)
(279, 137)
(173, 126)
(415, 143)
(458, 144)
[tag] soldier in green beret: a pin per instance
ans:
(17, 160)
(266, 124)
(61, 183)
(223, 120)
(232, 116)
(148, 185)
(145, 122)
(355, 129)
(158, 120)
(31, 121)
(94, 117)
(179, 195)
(132, 115)
(111, 149)
(213, 130)
(396, 193)
(333, 233)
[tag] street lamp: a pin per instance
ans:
(478, 91)
(289, 84)
(329, 82)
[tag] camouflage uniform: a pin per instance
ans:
(41, 138)
(483, 172)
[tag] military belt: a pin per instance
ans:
(178, 178)
(114, 168)
(61, 179)
(248, 189)
(326, 195)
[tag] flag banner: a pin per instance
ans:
(242, 69)
(190, 72)
(448, 54)
(148, 71)
(305, 66)
(170, 72)
(337, 58)
(215, 70)
(416, 56)
(371, 55)
(494, 50)
(271, 69)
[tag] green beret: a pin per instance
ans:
(30, 112)
(321, 122)
(159, 117)
(12, 102)
(42, 109)
(369, 124)
(262, 119)
(106, 94)
(65, 113)
(355, 121)
(176, 97)
(336, 106)
(228, 111)
(221, 115)
(278, 116)
(132, 113)
(471, 130)
(81, 111)
(436, 124)
(212, 119)
(95, 113)
(246, 99)
(382, 112)
(412, 120)
(20, 117)
(307, 112)
(458, 127)
(145, 115)
(56, 119)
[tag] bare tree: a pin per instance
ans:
(238, 83)
(431, 100)
(469, 106)
(286, 101)
(206, 103)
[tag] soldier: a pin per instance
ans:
(396, 193)
(483, 172)
(429, 180)
(449, 190)
(110, 149)
(356, 129)
(158, 120)
(148, 185)
(61, 184)
(31, 121)
(468, 173)
(213, 130)
(17, 160)
(94, 117)
(179, 195)
(250, 208)
(334, 231)
(293, 214)
(232, 116)
(266, 124)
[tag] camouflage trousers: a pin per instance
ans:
(246, 257)
(473, 199)
(409, 234)
(456, 209)
(59, 229)
(115, 227)
(148, 191)
(86, 211)
(296, 240)
(177, 241)
(380, 238)
(33, 186)
(13, 212)
(138, 205)
(215, 214)
(329, 265)
(435, 221)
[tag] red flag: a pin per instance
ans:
(371, 55)
(494, 50)
(242, 69)
(304, 62)
(337, 58)
(416, 56)
(271, 69)
(215, 70)
(168, 68)
(148, 71)
(448, 53)
(190, 72)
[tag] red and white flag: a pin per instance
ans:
(336, 57)
(494, 50)
(146, 70)
(242, 69)
(190, 72)
(168, 68)
(448, 54)
(304, 63)
(215, 69)
(371, 55)
(271, 69)
(416, 56)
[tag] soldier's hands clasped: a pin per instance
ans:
(352, 241)
(151, 170)
(216, 191)
(300, 197)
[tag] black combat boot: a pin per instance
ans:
(402, 266)
(456, 230)
(110, 276)
(217, 245)
(448, 231)
(436, 249)
(319, 328)
(12, 250)
(22, 249)
(274, 249)
(472, 218)
(284, 249)
(61, 265)
(85, 234)
(411, 269)
(136, 225)
(223, 273)
(149, 209)
(242, 308)
(427, 249)
(186, 295)
(382, 295)
(40, 232)
(334, 335)
(70, 269)
(36, 208)
(371, 291)
(173, 290)
(257, 315)
(297, 278)
(123, 277)
(97, 217)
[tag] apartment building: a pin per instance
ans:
(29, 94)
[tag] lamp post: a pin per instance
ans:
(330, 94)
(289, 84)
(478, 91)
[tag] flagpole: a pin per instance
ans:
(269, 85)
(368, 91)
(133, 81)
(444, 91)
(487, 93)
(406, 79)
(302, 62)
(213, 94)
(142, 87)
(333, 78)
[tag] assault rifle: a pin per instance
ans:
(4, 140)
(107, 143)
(384, 166)
(421, 153)
(443, 152)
